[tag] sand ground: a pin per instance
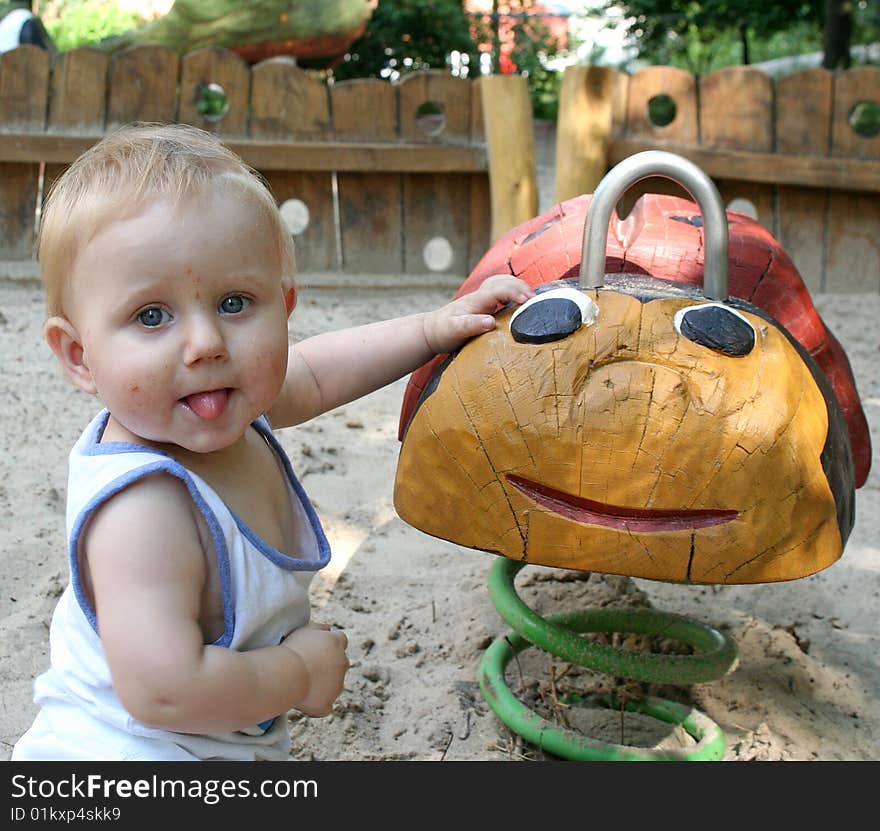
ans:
(416, 609)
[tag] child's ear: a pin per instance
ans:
(65, 342)
(290, 300)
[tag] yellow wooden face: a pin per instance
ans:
(627, 448)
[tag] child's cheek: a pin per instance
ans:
(271, 363)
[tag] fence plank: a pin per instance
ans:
(436, 208)
(680, 86)
(370, 208)
(24, 90)
(644, 85)
(480, 230)
(736, 113)
(286, 103)
(225, 69)
(853, 219)
(143, 86)
(803, 127)
(851, 88)
(78, 100)
(803, 119)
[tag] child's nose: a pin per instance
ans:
(204, 341)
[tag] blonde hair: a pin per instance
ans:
(115, 177)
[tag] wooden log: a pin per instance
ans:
(480, 230)
(587, 101)
(507, 122)
(226, 71)
(287, 104)
(370, 204)
(803, 128)
(853, 260)
(24, 91)
(436, 207)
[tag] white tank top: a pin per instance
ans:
(265, 595)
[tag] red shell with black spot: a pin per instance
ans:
(650, 241)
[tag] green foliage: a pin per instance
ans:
(533, 47)
(407, 35)
(404, 36)
(544, 85)
(866, 22)
(865, 119)
(702, 35)
(73, 23)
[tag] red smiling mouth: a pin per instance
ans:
(614, 516)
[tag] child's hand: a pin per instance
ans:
(448, 327)
(322, 651)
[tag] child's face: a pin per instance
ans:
(182, 319)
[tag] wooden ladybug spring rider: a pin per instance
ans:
(635, 424)
(685, 417)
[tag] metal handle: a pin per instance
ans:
(671, 166)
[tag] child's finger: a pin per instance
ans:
(475, 324)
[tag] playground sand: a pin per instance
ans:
(416, 609)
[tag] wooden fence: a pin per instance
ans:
(788, 147)
(369, 184)
(372, 187)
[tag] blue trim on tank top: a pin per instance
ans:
(174, 469)
(262, 426)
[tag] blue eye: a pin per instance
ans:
(234, 304)
(152, 317)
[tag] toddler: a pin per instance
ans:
(184, 632)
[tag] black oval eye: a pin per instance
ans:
(552, 319)
(718, 328)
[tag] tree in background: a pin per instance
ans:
(403, 36)
(691, 32)
(519, 40)
(837, 33)
(73, 23)
(699, 34)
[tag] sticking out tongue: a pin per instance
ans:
(207, 405)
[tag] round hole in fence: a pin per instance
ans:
(744, 206)
(864, 118)
(431, 118)
(295, 214)
(661, 110)
(437, 254)
(212, 102)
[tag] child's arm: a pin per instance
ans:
(146, 564)
(331, 369)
